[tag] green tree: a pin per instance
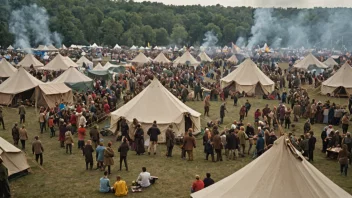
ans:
(215, 29)
(230, 33)
(179, 35)
(111, 30)
(162, 37)
(148, 34)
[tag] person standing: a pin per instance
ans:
(68, 141)
(4, 182)
(81, 136)
(2, 119)
(311, 145)
(189, 143)
(108, 157)
(345, 123)
(123, 149)
(51, 126)
(15, 134)
(62, 131)
(88, 154)
(206, 105)
(120, 187)
(260, 145)
(170, 140)
(248, 106)
(242, 140)
(242, 112)
(22, 113)
(217, 146)
(222, 112)
(73, 121)
(250, 134)
(232, 144)
(153, 132)
(100, 155)
(208, 181)
(23, 137)
(343, 159)
(139, 140)
(208, 147)
(94, 135)
(37, 149)
(42, 120)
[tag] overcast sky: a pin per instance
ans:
(262, 3)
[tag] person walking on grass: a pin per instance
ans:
(15, 134)
(88, 154)
(123, 149)
(23, 137)
(153, 132)
(5, 191)
(108, 157)
(206, 105)
(42, 120)
(68, 141)
(222, 112)
(343, 159)
(22, 113)
(81, 136)
(37, 149)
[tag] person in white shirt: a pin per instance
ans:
(144, 178)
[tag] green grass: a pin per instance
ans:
(64, 175)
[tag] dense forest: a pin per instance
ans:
(107, 22)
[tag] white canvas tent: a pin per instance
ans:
(6, 69)
(85, 60)
(10, 48)
(13, 158)
(281, 172)
(340, 82)
(63, 47)
(29, 60)
(161, 58)
(187, 58)
(233, 59)
(49, 94)
(74, 79)
(99, 67)
(133, 47)
(310, 60)
(248, 78)
(19, 82)
(60, 63)
(140, 58)
(117, 47)
(330, 62)
(204, 57)
(155, 102)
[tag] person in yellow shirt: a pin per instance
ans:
(120, 187)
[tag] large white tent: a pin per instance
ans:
(75, 79)
(140, 58)
(155, 102)
(117, 47)
(339, 83)
(85, 60)
(248, 78)
(310, 60)
(187, 58)
(6, 69)
(30, 60)
(99, 67)
(10, 48)
(60, 63)
(282, 171)
(13, 158)
(161, 58)
(233, 59)
(204, 57)
(330, 62)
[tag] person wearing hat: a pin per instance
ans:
(37, 149)
(197, 185)
(4, 182)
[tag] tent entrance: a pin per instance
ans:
(340, 92)
(188, 122)
(26, 97)
(258, 89)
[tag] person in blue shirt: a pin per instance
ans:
(62, 105)
(100, 156)
(105, 183)
(260, 145)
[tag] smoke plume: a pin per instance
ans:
(30, 26)
(210, 42)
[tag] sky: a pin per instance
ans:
(261, 3)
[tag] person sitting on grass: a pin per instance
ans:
(105, 184)
(208, 181)
(144, 178)
(197, 185)
(120, 187)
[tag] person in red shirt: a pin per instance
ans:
(73, 121)
(81, 136)
(51, 126)
(106, 108)
(197, 185)
(79, 108)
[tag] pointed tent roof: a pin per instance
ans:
(72, 75)
(140, 58)
(99, 67)
(117, 47)
(308, 61)
(233, 59)
(10, 47)
(282, 171)
(155, 102)
(60, 63)
(6, 69)
(29, 60)
(94, 45)
(248, 73)
(161, 58)
(52, 48)
(342, 78)
(330, 62)
(82, 60)
(204, 57)
(63, 47)
(133, 47)
(187, 57)
(19, 82)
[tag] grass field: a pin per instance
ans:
(64, 175)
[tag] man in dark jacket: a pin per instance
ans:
(123, 149)
(208, 181)
(189, 143)
(170, 139)
(15, 134)
(311, 145)
(216, 141)
(153, 132)
(94, 136)
(232, 144)
(222, 112)
(4, 182)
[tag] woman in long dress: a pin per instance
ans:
(139, 140)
